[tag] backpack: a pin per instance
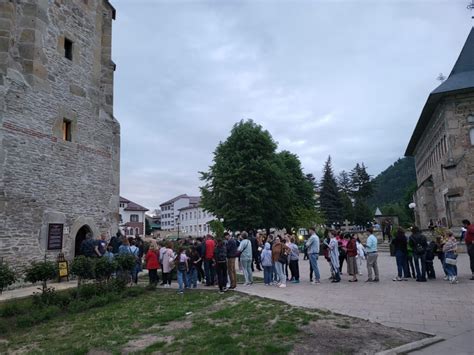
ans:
(418, 247)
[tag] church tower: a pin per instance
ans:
(59, 140)
(443, 147)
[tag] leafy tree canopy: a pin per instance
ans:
(250, 185)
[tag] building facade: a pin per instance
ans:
(443, 147)
(194, 221)
(132, 218)
(59, 140)
(170, 210)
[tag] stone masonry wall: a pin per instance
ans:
(445, 164)
(44, 178)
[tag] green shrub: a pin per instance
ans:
(86, 291)
(77, 306)
(83, 268)
(104, 268)
(7, 276)
(41, 271)
(117, 285)
(125, 262)
(50, 297)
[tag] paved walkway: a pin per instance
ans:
(434, 307)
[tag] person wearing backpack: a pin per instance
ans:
(220, 262)
(182, 269)
(419, 246)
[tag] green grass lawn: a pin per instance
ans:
(202, 322)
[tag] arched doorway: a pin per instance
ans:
(80, 236)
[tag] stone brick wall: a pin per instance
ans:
(444, 159)
(43, 178)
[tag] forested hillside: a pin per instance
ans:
(392, 184)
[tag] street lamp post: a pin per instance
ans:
(178, 223)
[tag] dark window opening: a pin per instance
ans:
(67, 128)
(68, 48)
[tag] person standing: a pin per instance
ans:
(168, 263)
(279, 255)
(400, 244)
(294, 259)
(220, 262)
(210, 246)
(312, 245)
(419, 245)
(266, 258)
(351, 248)
(469, 240)
(231, 256)
(183, 267)
(333, 248)
(152, 265)
(372, 255)
(449, 249)
(360, 255)
(193, 261)
(245, 250)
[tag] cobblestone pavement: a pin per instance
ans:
(435, 307)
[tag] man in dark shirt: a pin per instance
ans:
(419, 244)
(231, 246)
(89, 247)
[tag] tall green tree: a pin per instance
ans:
(252, 186)
(330, 198)
(361, 181)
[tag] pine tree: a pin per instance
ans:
(330, 198)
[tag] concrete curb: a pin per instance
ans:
(416, 345)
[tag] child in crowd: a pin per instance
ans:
(266, 258)
(430, 255)
(182, 269)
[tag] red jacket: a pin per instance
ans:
(352, 248)
(152, 262)
(469, 237)
(210, 246)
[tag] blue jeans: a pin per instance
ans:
(181, 279)
(210, 272)
(280, 272)
(313, 259)
(247, 270)
(267, 274)
(192, 278)
(420, 266)
(402, 264)
(451, 269)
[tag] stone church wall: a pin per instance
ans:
(43, 178)
(444, 161)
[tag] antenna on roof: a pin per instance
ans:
(441, 77)
(471, 7)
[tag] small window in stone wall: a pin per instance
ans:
(68, 44)
(67, 130)
(470, 118)
(471, 135)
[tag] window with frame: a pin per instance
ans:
(134, 218)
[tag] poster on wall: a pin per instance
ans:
(55, 236)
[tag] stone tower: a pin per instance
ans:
(59, 140)
(443, 146)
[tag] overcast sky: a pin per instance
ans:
(341, 78)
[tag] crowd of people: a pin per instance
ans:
(214, 261)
